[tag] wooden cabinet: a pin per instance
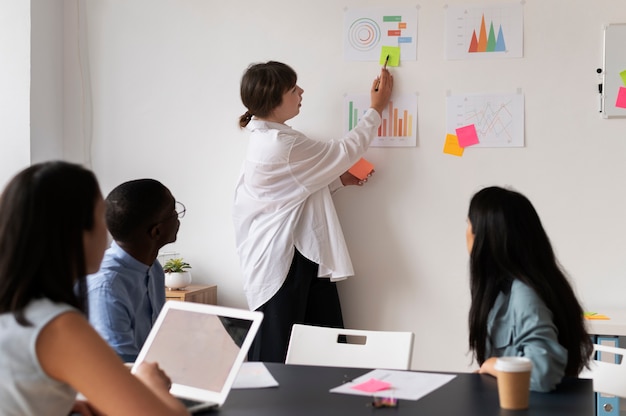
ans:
(194, 293)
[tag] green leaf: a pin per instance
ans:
(175, 266)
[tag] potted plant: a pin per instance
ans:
(177, 276)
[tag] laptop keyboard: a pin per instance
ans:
(189, 403)
(196, 406)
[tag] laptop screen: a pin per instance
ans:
(200, 347)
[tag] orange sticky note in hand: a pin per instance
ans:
(361, 169)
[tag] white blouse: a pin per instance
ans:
(283, 200)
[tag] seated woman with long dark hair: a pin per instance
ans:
(522, 303)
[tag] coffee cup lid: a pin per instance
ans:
(513, 364)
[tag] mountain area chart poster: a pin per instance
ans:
(492, 32)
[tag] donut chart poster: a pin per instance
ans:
(368, 29)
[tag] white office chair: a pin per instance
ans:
(315, 345)
(608, 377)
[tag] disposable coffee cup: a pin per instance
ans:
(513, 382)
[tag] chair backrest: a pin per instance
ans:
(609, 375)
(315, 345)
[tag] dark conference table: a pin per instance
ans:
(304, 390)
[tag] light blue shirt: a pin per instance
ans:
(520, 324)
(125, 298)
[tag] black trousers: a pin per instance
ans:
(303, 298)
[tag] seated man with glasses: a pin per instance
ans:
(126, 295)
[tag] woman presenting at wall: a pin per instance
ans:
(288, 236)
(522, 303)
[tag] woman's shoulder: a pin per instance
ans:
(521, 293)
(41, 311)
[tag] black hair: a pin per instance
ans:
(510, 243)
(262, 88)
(135, 206)
(44, 211)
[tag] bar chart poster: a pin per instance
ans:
(485, 32)
(399, 120)
(498, 118)
(368, 29)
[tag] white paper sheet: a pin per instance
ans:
(409, 385)
(254, 375)
(368, 29)
(489, 32)
(498, 118)
(399, 120)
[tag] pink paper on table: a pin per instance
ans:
(621, 98)
(467, 135)
(372, 385)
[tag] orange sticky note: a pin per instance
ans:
(451, 146)
(361, 169)
(595, 316)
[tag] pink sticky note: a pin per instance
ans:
(621, 98)
(467, 135)
(372, 385)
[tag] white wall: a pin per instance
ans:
(31, 81)
(46, 95)
(164, 78)
(14, 87)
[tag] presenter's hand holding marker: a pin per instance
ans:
(381, 90)
(384, 67)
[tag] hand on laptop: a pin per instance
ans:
(153, 377)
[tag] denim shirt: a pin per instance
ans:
(520, 324)
(125, 298)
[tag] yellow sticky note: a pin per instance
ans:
(621, 74)
(394, 55)
(451, 146)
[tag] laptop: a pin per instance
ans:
(201, 348)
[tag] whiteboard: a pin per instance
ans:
(614, 63)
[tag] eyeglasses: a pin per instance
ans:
(179, 212)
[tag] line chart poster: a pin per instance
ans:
(498, 118)
(367, 30)
(485, 32)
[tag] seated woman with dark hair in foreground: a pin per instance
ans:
(52, 234)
